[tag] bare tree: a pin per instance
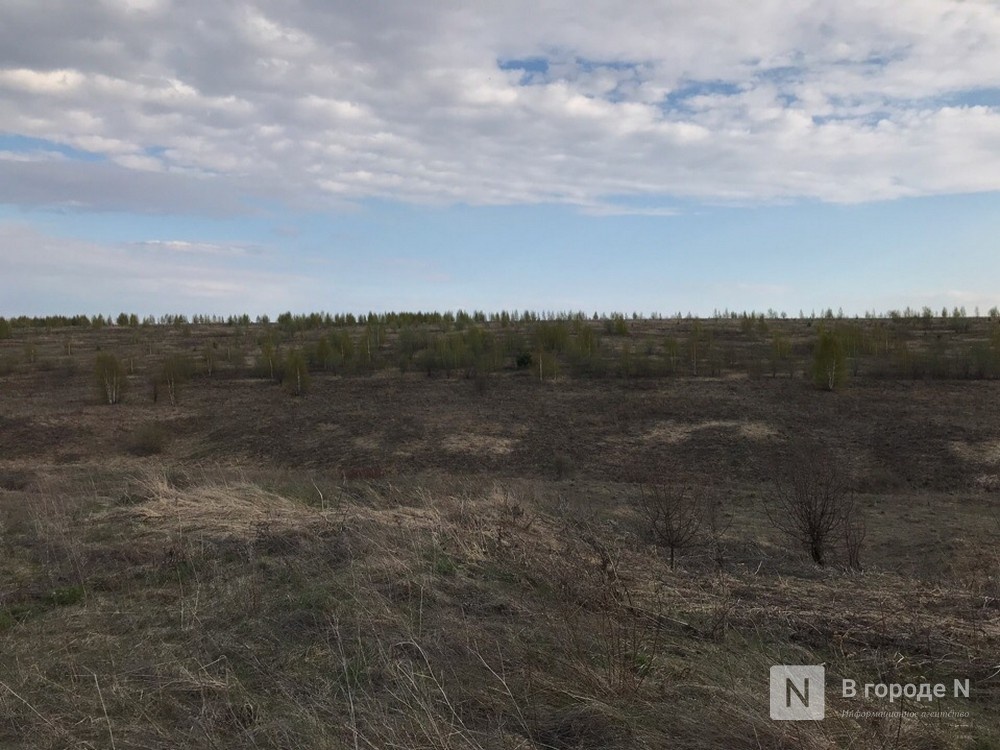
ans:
(672, 516)
(812, 503)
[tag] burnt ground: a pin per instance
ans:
(268, 559)
(933, 435)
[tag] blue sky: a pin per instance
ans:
(168, 156)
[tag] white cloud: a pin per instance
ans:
(42, 268)
(198, 248)
(103, 186)
(315, 101)
(41, 82)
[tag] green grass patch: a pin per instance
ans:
(66, 596)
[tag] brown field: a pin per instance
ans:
(455, 560)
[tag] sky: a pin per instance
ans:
(183, 156)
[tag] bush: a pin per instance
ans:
(813, 504)
(551, 336)
(671, 516)
(616, 325)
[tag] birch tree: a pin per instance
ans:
(110, 377)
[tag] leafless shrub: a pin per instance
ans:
(716, 622)
(615, 639)
(812, 503)
(672, 516)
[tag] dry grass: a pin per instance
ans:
(478, 445)
(390, 562)
(218, 509)
(474, 615)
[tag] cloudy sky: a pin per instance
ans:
(217, 157)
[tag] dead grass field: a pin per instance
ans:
(402, 561)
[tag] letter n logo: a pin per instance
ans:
(798, 693)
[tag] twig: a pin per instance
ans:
(33, 709)
(100, 695)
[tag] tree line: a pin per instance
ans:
(613, 321)
(830, 351)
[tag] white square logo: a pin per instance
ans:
(798, 693)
